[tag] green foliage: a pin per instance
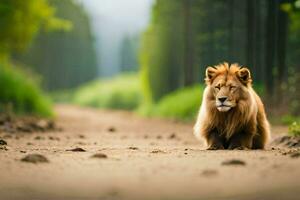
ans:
(161, 49)
(289, 119)
(64, 59)
(122, 92)
(292, 86)
(176, 47)
(182, 104)
(128, 53)
(259, 89)
(21, 20)
(19, 91)
(294, 129)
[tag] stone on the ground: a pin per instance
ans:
(112, 129)
(99, 155)
(133, 148)
(35, 158)
(234, 162)
(209, 172)
(77, 149)
(3, 142)
(287, 141)
(158, 151)
(172, 136)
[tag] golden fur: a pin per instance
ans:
(231, 115)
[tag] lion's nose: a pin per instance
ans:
(222, 99)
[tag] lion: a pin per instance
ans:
(232, 115)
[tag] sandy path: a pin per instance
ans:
(147, 159)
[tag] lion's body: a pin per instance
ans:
(244, 125)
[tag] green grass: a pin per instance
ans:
(294, 129)
(121, 92)
(259, 89)
(289, 119)
(124, 92)
(20, 92)
(182, 104)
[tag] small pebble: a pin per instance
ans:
(53, 138)
(35, 158)
(172, 136)
(233, 162)
(133, 148)
(81, 136)
(99, 155)
(3, 142)
(78, 149)
(38, 138)
(3, 148)
(111, 129)
(209, 173)
(158, 151)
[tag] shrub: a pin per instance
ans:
(289, 119)
(20, 91)
(121, 92)
(294, 129)
(182, 104)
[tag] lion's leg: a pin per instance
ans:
(258, 142)
(244, 138)
(263, 132)
(241, 141)
(214, 141)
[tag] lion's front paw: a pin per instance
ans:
(216, 147)
(231, 147)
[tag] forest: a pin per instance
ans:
(186, 36)
(54, 42)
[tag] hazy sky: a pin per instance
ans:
(112, 20)
(133, 13)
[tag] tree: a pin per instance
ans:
(188, 44)
(161, 50)
(128, 53)
(185, 36)
(20, 21)
(64, 59)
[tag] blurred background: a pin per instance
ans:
(147, 56)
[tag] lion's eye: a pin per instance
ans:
(217, 87)
(232, 87)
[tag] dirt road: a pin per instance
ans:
(146, 159)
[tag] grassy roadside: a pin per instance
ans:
(20, 93)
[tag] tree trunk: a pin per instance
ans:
(188, 45)
(231, 30)
(271, 41)
(281, 51)
(259, 49)
(251, 34)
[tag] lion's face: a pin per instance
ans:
(227, 85)
(226, 93)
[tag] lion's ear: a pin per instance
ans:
(244, 75)
(210, 74)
